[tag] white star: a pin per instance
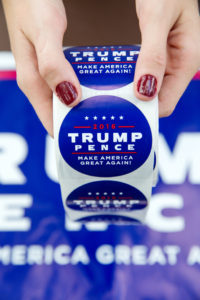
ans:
(113, 193)
(121, 193)
(89, 193)
(86, 118)
(121, 117)
(104, 117)
(95, 117)
(97, 193)
(112, 118)
(105, 193)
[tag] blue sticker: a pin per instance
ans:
(103, 68)
(106, 196)
(113, 219)
(105, 136)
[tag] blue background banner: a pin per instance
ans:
(44, 256)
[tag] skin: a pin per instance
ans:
(170, 50)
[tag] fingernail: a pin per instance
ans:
(147, 85)
(66, 92)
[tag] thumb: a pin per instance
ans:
(56, 70)
(151, 63)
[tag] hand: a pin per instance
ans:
(36, 30)
(170, 51)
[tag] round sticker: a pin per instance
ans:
(105, 136)
(106, 196)
(103, 68)
(110, 219)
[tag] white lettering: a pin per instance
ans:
(119, 138)
(157, 221)
(18, 255)
(87, 137)
(100, 139)
(118, 147)
(136, 136)
(73, 137)
(139, 254)
(61, 254)
(156, 256)
(105, 255)
(122, 254)
(172, 252)
(12, 209)
(13, 151)
(185, 159)
(80, 256)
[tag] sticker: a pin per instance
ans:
(105, 136)
(107, 196)
(103, 68)
(111, 219)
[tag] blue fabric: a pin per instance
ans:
(149, 262)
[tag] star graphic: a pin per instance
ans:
(89, 193)
(121, 193)
(113, 193)
(104, 117)
(86, 118)
(105, 193)
(97, 193)
(112, 118)
(95, 117)
(121, 117)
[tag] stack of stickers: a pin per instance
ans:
(106, 147)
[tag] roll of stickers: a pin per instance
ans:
(106, 146)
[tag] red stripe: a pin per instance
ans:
(104, 152)
(126, 126)
(8, 75)
(82, 126)
(104, 62)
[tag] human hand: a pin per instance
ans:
(170, 51)
(36, 30)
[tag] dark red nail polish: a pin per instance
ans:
(147, 85)
(66, 92)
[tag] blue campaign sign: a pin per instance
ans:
(44, 256)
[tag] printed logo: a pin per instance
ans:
(106, 196)
(103, 68)
(105, 136)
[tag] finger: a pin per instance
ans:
(170, 93)
(55, 69)
(151, 62)
(182, 63)
(30, 81)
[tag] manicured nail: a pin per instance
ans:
(66, 92)
(147, 85)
